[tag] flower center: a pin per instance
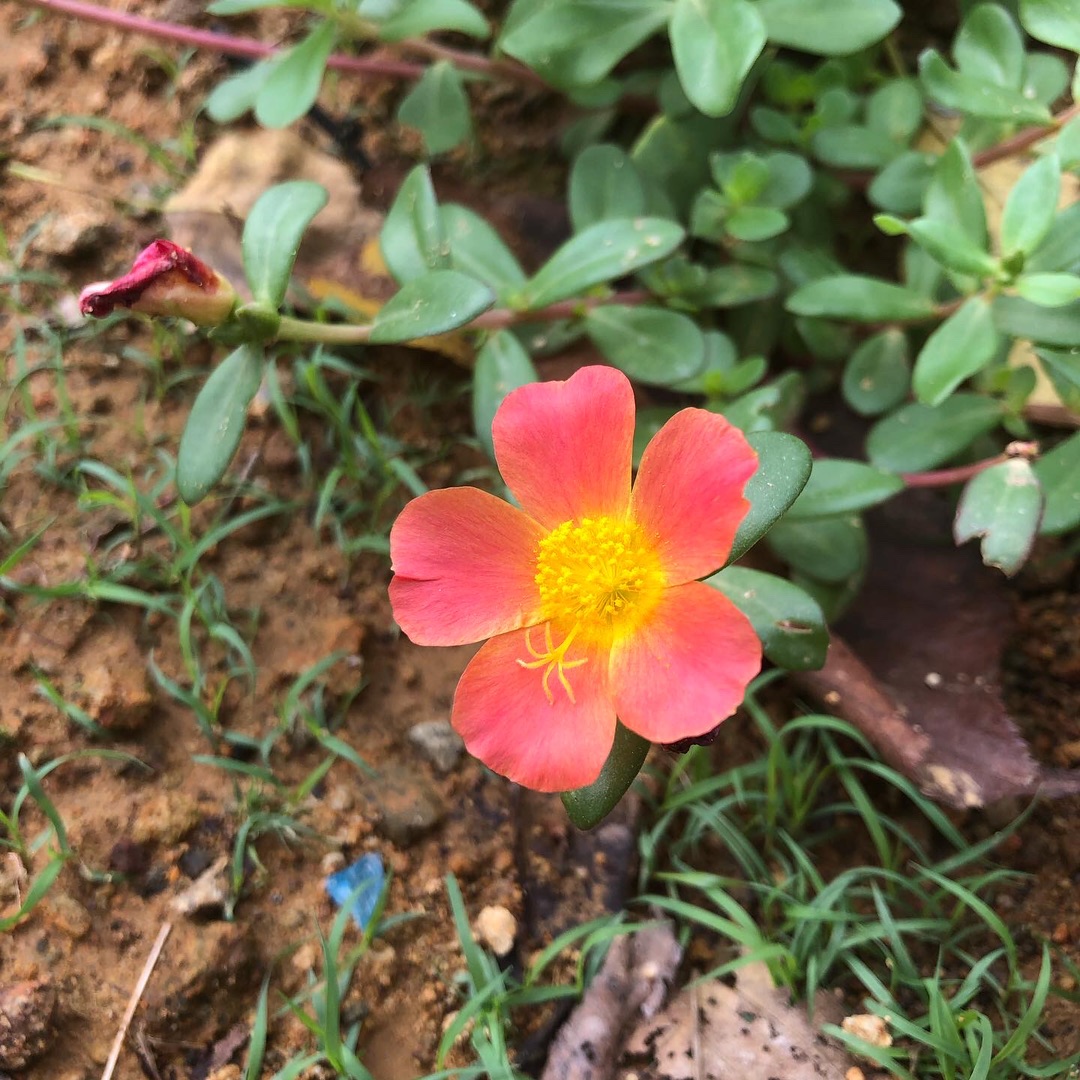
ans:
(598, 578)
(598, 574)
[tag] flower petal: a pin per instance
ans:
(464, 563)
(687, 667)
(565, 448)
(507, 720)
(688, 492)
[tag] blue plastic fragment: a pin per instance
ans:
(363, 882)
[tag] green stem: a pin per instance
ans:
(323, 333)
(291, 329)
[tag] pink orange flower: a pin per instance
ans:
(165, 279)
(588, 593)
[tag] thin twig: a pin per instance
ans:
(133, 1001)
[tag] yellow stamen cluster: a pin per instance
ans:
(598, 578)
(598, 573)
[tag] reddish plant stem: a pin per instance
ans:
(506, 69)
(1023, 139)
(947, 477)
(226, 44)
(962, 473)
(501, 318)
(859, 179)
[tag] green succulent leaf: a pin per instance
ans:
(788, 620)
(878, 375)
(767, 408)
(837, 486)
(1057, 22)
(1048, 290)
(784, 465)
(990, 47)
(1054, 326)
(896, 110)
(433, 303)
(413, 239)
(854, 146)
(864, 299)
(586, 807)
(752, 224)
(830, 549)
(419, 17)
(960, 347)
(715, 43)
(953, 195)
(577, 42)
(1031, 207)
(1059, 475)
(1002, 505)
(723, 374)
(502, 365)
(737, 284)
(789, 180)
(234, 96)
(1060, 251)
(602, 252)
(949, 245)
(216, 422)
(477, 249)
(292, 84)
(969, 94)
(828, 27)
(918, 437)
(651, 344)
(901, 186)
(1063, 367)
(272, 234)
(604, 184)
(438, 107)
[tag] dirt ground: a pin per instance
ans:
(82, 202)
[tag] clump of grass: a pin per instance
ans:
(911, 935)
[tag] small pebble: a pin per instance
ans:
(868, 1027)
(438, 742)
(496, 928)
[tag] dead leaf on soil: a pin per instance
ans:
(922, 675)
(712, 1031)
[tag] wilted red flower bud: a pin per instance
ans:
(165, 279)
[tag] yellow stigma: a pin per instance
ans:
(598, 577)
